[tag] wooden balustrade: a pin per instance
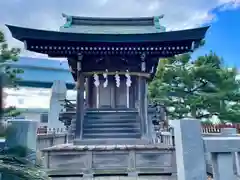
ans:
(45, 130)
(210, 128)
(206, 129)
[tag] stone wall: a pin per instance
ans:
(48, 140)
(45, 140)
(96, 160)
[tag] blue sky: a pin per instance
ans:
(224, 37)
(224, 16)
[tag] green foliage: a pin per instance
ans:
(197, 88)
(8, 55)
(13, 163)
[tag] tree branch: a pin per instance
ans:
(204, 83)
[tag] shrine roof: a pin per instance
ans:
(106, 25)
(120, 37)
(65, 44)
(24, 34)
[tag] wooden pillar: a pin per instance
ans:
(140, 102)
(128, 98)
(128, 86)
(142, 105)
(97, 97)
(142, 99)
(111, 84)
(146, 107)
(80, 99)
(87, 101)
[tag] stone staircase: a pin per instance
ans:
(109, 124)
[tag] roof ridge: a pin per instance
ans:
(114, 18)
(124, 21)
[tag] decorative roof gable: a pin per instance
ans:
(104, 25)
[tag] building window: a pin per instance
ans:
(20, 117)
(21, 101)
(44, 118)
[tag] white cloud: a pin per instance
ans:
(24, 97)
(46, 14)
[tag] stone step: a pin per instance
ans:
(110, 130)
(107, 135)
(110, 116)
(111, 110)
(96, 115)
(102, 124)
(113, 121)
(115, 114)
(110, 125)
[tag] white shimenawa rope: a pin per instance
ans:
(96, 80)
(128, 81)
(105, 75)
(117, 78)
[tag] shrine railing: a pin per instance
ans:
(166, 137)
(210, 128)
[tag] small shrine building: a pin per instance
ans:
(112, 59)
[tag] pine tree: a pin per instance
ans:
(13, 162)
(8, 55)
(198, 88)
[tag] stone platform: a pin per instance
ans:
(122, 178)
(109, 141)
(139, 161)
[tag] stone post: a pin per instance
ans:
(22, 133)
(59, 92)
(236, 155)
(189, 150)
(222, 149)
(222, 166)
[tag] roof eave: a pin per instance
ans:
(34, 34)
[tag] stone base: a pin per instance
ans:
(133, 161)
(111, 141)
(119, 178)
